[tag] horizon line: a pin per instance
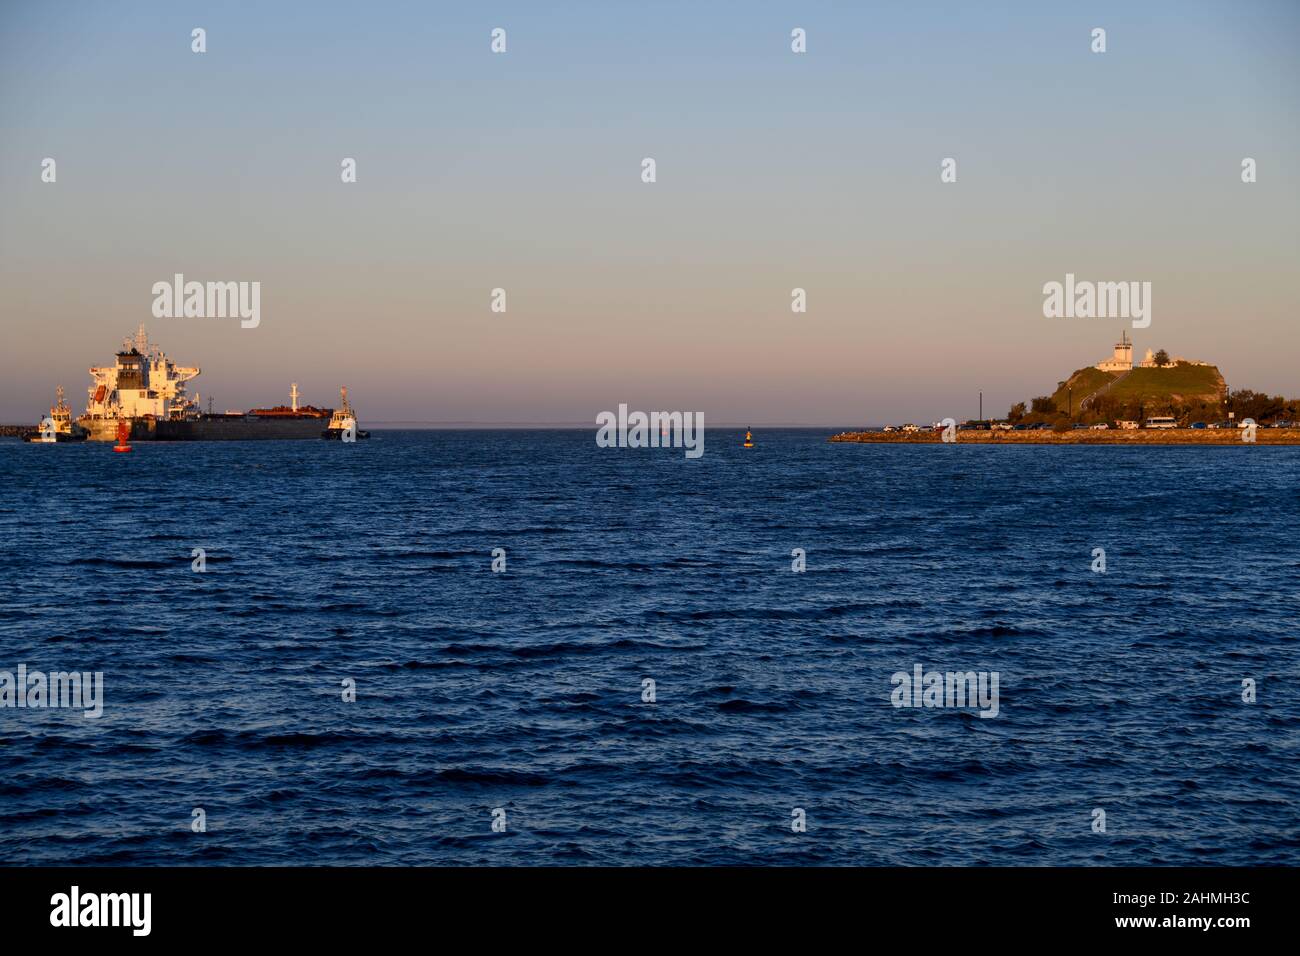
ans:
(434, 423)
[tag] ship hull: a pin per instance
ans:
(336, 434)
(238, 428)
(105, 429)
(39, 438)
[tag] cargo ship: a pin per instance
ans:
(292, 421)
(147, 390)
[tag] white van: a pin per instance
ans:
(1161, 421)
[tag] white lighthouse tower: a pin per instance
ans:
(1122, 360)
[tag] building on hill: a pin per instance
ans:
(1122, 360)
(1150, 361)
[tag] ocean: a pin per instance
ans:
(504, 717)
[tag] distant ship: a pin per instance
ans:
(342, 420)
(292, 421)
(142, 387)
(146, 389)
(58, 426)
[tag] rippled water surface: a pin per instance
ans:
(522, 690)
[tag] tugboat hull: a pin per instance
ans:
(38, 438)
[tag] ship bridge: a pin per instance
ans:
(142, 382)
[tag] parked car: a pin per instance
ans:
(890, 428)
(909, 427)
(1197, 425)
(1021, 427)
(1099, 427)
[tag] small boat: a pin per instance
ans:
(58, 426)
(749, 439)
(343, 423)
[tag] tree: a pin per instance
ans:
(1043, 405)
(1257, 405)
(1017, 412)
(1162, 358)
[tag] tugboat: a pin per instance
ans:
(58, 427)
(343, 423)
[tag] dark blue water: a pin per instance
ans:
(522, 690)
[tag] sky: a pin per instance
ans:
(522, 171)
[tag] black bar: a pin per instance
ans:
(946, 905)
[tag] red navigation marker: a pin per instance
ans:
(123, 436)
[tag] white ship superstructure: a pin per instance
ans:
(343, 418)
(142, 383)
(58, 425)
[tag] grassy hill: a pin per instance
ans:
(1084, 382)
(1153, 387)
(1180, 383)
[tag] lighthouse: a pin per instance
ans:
(1122, 360)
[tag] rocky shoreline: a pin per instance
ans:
(1112, 436)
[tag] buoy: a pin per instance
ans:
(749, 439)
(123, 436)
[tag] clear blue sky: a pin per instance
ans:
(522, 171)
